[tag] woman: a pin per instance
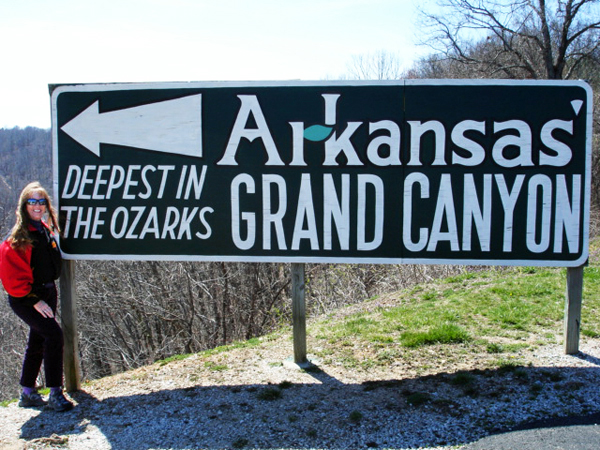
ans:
(30, 261)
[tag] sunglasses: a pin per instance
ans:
(36, 201)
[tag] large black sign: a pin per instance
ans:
(463, 172)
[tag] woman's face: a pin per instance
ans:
(36, 210)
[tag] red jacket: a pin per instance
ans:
(16, 272)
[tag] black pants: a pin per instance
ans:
(45, 342)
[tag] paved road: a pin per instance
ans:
(576, 433)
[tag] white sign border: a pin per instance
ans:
(57, 89)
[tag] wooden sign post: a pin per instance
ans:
(68, 318)
(573, 300)
(299, 313)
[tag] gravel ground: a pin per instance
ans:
(256, 398)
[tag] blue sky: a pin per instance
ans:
(81, 41)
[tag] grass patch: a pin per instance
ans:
(269, 394)
(494, 347)
(590, 333)
(216, 367)
(5, 403)
(240, 443)
(511, 365)
(254, 342)
(443, 334)
(164, 362)
(417, 398)
(495, 311)
(462, 379)
(355, 416)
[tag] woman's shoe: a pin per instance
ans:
(31, 400)
(58, 402)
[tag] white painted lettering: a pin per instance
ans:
(250, 107)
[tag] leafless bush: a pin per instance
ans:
(133, 313)
(333, 285)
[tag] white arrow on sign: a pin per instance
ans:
(171, 126)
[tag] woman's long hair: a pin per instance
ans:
(19, 236)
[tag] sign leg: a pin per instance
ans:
(68, 315)
(573, 302)
(299, 313)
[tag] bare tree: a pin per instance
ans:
(536, 39)
(380, 65)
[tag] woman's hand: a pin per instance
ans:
(43, 308)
